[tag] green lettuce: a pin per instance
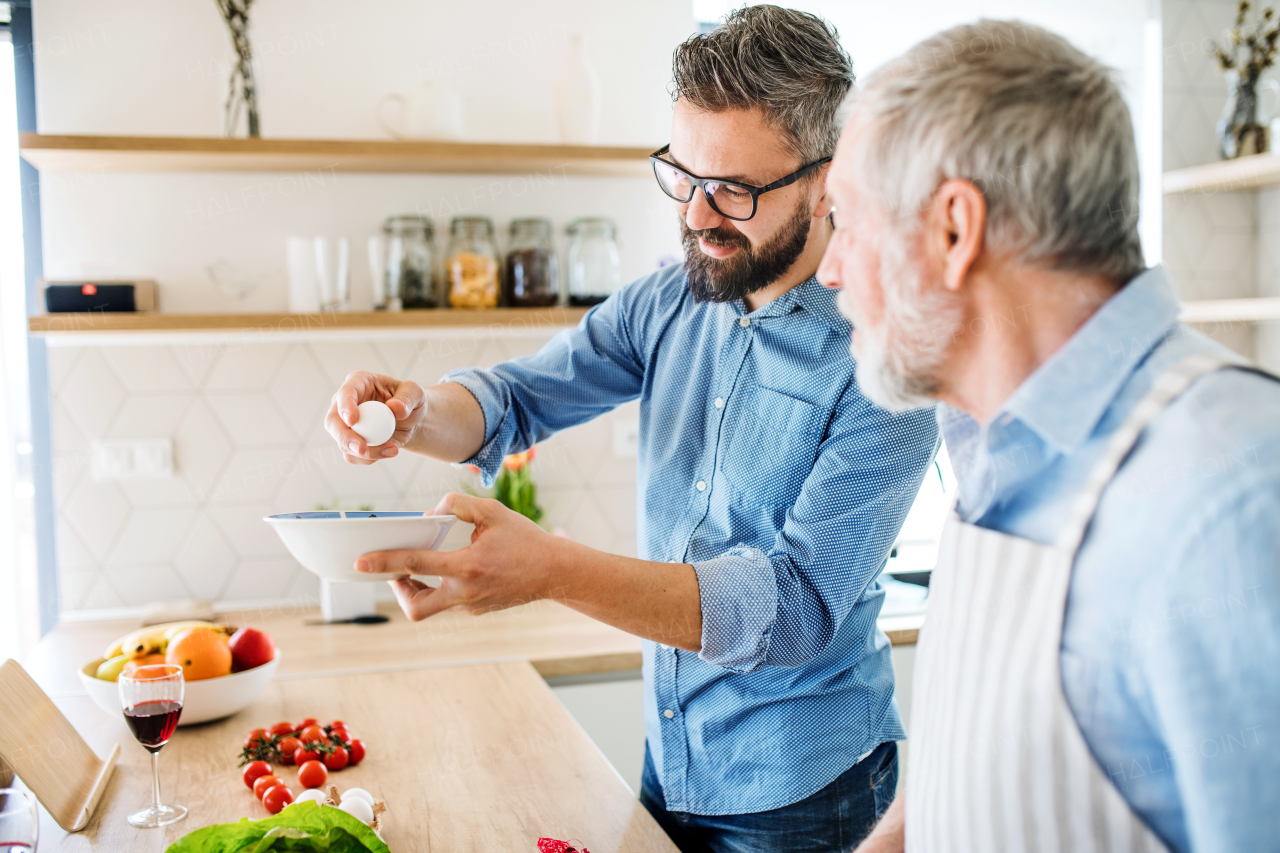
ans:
(301, 826)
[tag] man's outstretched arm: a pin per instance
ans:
(512, 561)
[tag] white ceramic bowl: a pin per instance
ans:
(328, 543)
(203, 700)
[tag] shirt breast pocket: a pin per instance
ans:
(772, 441)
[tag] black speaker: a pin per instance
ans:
(62, 297)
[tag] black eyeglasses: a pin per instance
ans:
(730, 199)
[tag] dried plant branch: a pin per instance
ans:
(1258, 43)
(243, 93)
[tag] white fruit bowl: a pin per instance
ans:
(203, 700)
(328, 543)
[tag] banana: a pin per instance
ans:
(152, 639)
(110, 669)
(173, 630)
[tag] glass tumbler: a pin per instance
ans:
(19, 821)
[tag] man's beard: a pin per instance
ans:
(747, 270)
(899, 362)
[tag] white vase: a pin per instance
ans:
(577, 97)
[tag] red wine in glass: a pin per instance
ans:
(153, 722)
(151, 697)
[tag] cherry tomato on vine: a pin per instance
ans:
(311, 734)
(337, 759)
(263, 783)
(282, 729)
(277, 798)
(309, 721)
(303, 755)
(342, 734)
(253, 770)
(288, 747)
(357, 752)
(255, 736)
(312, 774)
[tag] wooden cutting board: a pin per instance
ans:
(47, 753)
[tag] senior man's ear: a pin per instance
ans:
(956, 225)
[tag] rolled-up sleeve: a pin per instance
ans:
(783, 607)
(739, 603)
(581, 373)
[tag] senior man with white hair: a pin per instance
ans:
(1100, 665)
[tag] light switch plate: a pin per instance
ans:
(132, 459)
(626, 439)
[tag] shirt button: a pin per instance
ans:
(719, 402)
(663, 646)
(668, 713)
(744, 321)
(702, 485)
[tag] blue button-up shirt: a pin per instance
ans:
(1171, 642)
(764, 466)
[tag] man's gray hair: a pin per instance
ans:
(787, 64)
(1038, 126)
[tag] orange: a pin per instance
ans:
(145, 660)
(201, 652)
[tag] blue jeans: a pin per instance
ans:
(833, 820)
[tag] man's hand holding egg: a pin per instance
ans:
(372, 416)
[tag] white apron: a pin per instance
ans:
(997, 762)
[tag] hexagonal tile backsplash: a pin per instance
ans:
(245, 420)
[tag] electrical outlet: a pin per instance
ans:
(626, 439)
(135, 459)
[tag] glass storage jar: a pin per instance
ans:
(411, 262)
(472, 265)
(594, 271)
(532, 279)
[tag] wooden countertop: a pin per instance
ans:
(468, 745)
(467, 758)
(557, 641)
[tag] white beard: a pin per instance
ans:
(899, 362)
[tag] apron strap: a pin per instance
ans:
(1167, 387)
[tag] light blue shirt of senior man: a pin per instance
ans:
(1171, 643)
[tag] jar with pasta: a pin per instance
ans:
(472, 265)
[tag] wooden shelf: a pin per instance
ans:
(1231, 310)
(197, 154)
(1243, 173)
(515, 318)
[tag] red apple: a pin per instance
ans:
(249, 648)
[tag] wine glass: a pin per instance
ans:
(152, 700)
(19, 821)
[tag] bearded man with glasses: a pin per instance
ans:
(770, 489)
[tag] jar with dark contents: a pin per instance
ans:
(411, 261)
(472, 266)
(532, 279)
(594, 271)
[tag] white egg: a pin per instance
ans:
(357, 808)
(310, 794)
(376, 423)
(359, 793)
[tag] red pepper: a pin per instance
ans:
(552, 845)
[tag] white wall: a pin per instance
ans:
(157, 67)
(1214, 246)
(874, 32)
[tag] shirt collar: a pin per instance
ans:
(1066, 397)
(809, 296)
